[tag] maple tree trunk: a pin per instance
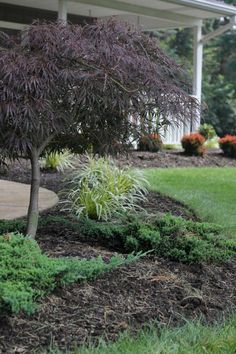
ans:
(33, 209)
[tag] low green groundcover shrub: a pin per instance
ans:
(167, 236)
(172, 237)
(26, 274)
(8, 226)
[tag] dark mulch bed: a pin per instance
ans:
(160, 203)
(176, 158)
(151, 289)
(126, 298)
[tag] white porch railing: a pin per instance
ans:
(174, 134)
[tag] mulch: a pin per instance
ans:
(127, 298)
(175, 158)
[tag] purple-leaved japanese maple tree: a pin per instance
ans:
(55, 78)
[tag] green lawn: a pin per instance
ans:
(211, 192)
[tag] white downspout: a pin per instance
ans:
(62, 10)
(197, 70)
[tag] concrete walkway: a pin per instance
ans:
(14, 199)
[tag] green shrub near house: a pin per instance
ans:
(207, 131)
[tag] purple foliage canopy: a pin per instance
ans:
(54, 77)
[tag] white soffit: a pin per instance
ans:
(72, 7)
(146, 13)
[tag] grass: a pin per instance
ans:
(192, 338)
(211, 192)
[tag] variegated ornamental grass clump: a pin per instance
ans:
(101, 189)
(207, 131)
(57, 160)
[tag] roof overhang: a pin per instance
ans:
(149, 14)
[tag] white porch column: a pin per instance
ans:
(197, 69)
(62, 10)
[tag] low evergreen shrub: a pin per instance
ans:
(171, 237)
(167, 236)
(26, 274)
(8, 226)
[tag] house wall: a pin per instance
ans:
(26, 15)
